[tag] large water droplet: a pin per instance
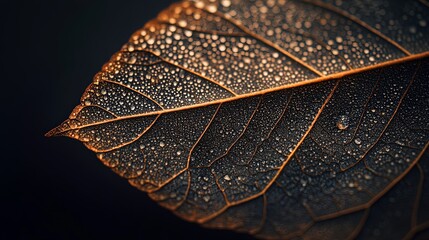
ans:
(343, 122)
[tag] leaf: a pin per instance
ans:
(281, 119)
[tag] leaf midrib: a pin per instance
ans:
(334, 76)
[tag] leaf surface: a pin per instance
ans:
(281, 119)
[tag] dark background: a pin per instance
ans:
(55, 188)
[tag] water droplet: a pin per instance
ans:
(206, 198)
(87, 102)
(339, 39)
(178, 153)
(227, 178)
(188, 33)
(103, 91)
(161, 144)
(303, 182)
(343, 122)
(212, 8)
(133, 107)
(182, 23)
(358, 141)
(226, 3)
(132, 60)
(151, 41)
(199, 4)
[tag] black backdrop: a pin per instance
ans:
(55, 188)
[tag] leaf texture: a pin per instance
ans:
(281, 119)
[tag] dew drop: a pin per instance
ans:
(178, 153)
(211, 8)
(132, 60)
(226, 3)
(206, 198)
(151, 41)
(303, 182)
(199, 4)
(188, 33)
(358, 141)
(339, 39)
(161, 144)
(182, 23)
(227, 178)
(343, 122)
(222, 48)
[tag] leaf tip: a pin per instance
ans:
(52, 133)
(60, 130)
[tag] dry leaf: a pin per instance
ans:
(281, 119)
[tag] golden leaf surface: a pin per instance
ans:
(282, 119)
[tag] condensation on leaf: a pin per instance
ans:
(281, 119)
